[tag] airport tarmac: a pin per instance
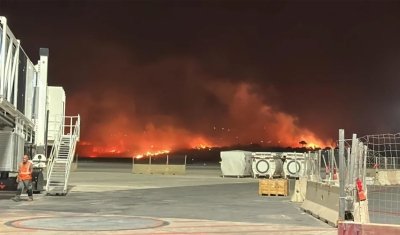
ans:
(106, 198)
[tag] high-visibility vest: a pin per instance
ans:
(24, 171)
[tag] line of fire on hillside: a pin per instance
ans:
(86, 149)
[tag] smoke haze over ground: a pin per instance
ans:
(172, 74)
(174, 104)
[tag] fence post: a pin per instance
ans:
(311, 158)
(305, 165)
(385, 158)
(360, 159)
(332, 153)
(342, 198)
(295, 160)
(348, 166)
(353, 157)
(353, 169)
(319, 166)
(185, 159)
(394, 163)
(365, 165)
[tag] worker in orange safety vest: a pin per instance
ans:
(24, 179)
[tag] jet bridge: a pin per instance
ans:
(24, 110)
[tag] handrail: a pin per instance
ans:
(53, 154)
(74, 137)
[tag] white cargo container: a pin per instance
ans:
(236, 163)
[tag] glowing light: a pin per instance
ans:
(312, 145)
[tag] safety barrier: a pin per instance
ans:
(351, 228)
(300, 190)
(322, 202)
(74, 166)
(159, 169)
(387, 177)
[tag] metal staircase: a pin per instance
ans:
(61, 156)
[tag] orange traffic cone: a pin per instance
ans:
(361, 196)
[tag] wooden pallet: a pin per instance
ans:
(275, 195)
(274, 187)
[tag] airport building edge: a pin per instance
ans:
(32, 119)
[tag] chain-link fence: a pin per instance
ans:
(322, 166)
(373, 173)
(382, 178)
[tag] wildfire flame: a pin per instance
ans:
(148, 154)
(248, 120)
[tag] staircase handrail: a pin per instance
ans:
(56, 145)
(54, 153)
(74, 138)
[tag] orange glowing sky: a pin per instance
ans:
(248, 120)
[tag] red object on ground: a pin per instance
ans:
(361, 194)
(359, 185)
(328, 168)
(375, 166)
(351, 228)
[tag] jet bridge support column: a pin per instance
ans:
(41, 102)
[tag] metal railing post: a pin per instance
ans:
(342, 199)
(385, 160)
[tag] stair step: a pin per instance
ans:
(57, 185)
(57, 178)
(56, 190)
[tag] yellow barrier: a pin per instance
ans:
(74, 167)
(322, 201)
(159, 169)
(300, 190)
(388, 177)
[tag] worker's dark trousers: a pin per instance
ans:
(24, 185)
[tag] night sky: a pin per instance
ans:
(185, 73)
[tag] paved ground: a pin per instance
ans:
(107, 196)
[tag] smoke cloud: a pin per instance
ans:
(174, 103)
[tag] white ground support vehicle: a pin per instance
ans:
(32, 118)
(263, 164)
(294, 165)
